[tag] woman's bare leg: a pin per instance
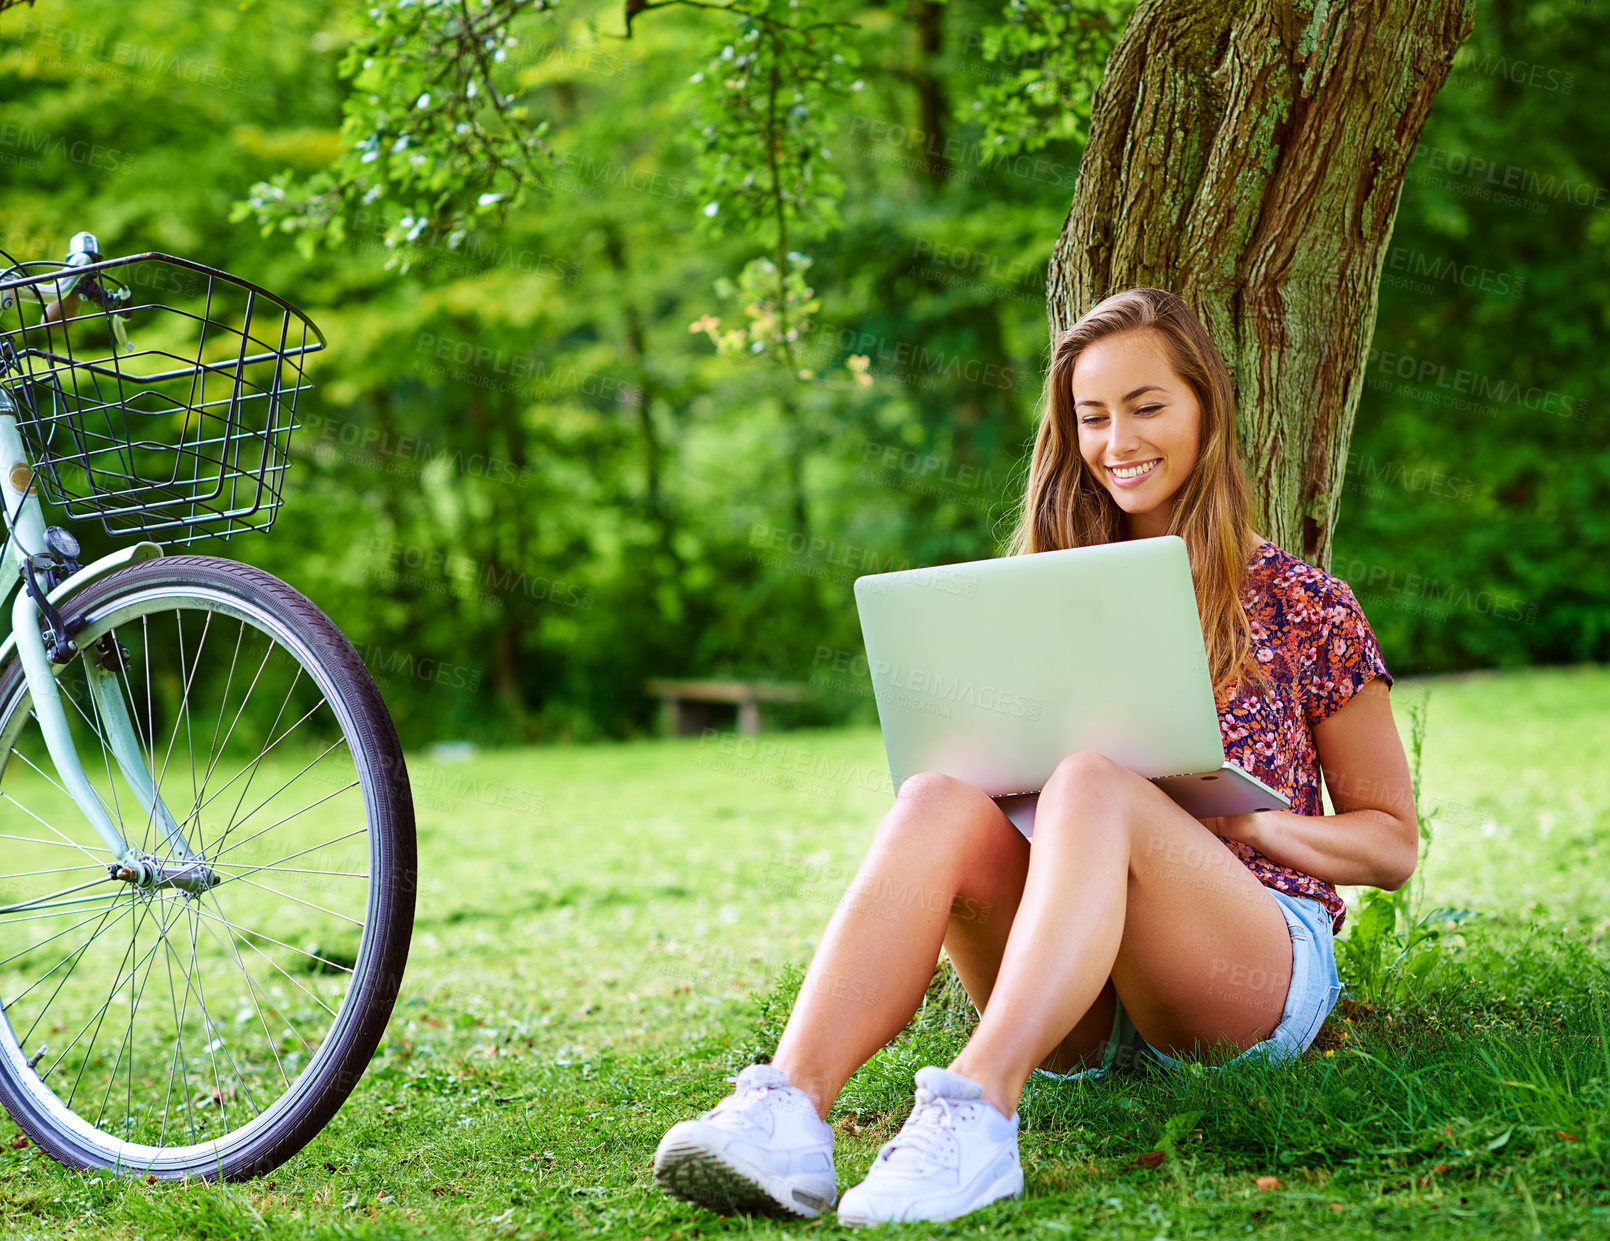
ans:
(1124, 884)
(946, 866)
(976, 947)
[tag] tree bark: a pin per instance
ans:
(1249, 156)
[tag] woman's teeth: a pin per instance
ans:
(1134, 471)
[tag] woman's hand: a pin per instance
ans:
(1243, 827)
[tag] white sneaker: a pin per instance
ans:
(954, 1154)
(761, 1150)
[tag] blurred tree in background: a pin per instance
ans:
(1476, 519)
(601, 404)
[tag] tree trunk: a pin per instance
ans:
(655, 504)
(484, 541)
(929, 16)
(1249, 157)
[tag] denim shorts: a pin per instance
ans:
(1314, 989)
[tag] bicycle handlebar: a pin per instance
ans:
(82, 250)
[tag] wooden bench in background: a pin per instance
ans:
(689, 707)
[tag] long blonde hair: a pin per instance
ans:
(1066, 505)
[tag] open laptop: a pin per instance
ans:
(993, 671)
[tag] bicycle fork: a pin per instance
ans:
(177, 865)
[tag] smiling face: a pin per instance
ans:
(1139, 426)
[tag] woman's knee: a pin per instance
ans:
(1080, 783)
(1083, 772)
(931, 807)
(929, 788)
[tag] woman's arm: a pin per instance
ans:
(1374, 836)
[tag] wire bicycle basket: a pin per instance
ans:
(155, 394)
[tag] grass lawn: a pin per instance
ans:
(605, 932)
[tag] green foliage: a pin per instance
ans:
(431, 138)
(776, 315)
(763, 106)
(434, 136)
(777, 307)
(1046, 61)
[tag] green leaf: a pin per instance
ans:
(1375, 921)
(1177, 1127)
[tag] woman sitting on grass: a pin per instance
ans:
(1130, 934)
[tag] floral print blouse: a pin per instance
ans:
(1318, 650)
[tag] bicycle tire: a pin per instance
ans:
(208, 587)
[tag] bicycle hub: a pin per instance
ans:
(150, 872)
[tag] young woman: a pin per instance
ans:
(1129, 933)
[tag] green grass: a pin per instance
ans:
(605, 932)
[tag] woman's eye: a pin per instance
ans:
(1090, 420)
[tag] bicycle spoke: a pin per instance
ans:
(179, 1010)
(48, 939)
(75, 957)
(54, 870)
(252, 766)
(257, 762)
(99, 1015)
(51, 896)
(218, 752)
(251, 989)
(184, 715)
(208, 1027)
(218, 1041)
(190, 746)
(67, 694)
(56, 908)
(99, 797)
(219, 851)
(39, 840)
(240, 930)
(296, 870)
(128, 1033)
(309, 904)
(234, 823)
(134, 1007)
(223, 705)
(64, 793)
(245, 840)
(291, 857)
(288, 977)
(280, 943)
(178, 1056)
(42, 823)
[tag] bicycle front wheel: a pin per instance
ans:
(206, 1015)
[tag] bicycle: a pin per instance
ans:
(207, 855)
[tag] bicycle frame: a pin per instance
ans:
(25, 539)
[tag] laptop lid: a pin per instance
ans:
(993, 671)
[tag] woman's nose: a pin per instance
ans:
(1125, 437)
